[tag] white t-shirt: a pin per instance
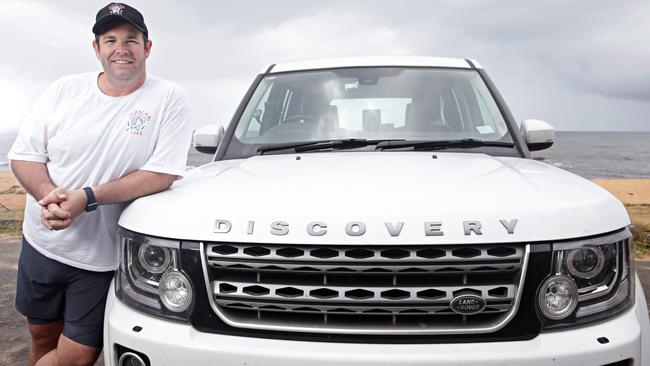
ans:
(87, 138)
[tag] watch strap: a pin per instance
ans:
(91, 204)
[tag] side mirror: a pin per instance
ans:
(539, 135)
(207, 138)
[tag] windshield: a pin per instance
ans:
(371, 104)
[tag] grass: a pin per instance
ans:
(11, 222)
(640, 216)
(11, 218)
(641, 241)
(13, 190)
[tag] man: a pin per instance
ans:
(91, 143)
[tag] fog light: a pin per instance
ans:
(130, 359)
(558, 297)
(175, 291)
(585, 262)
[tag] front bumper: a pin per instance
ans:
(169, 343)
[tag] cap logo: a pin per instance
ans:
(116, 8)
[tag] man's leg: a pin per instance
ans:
(44, 339)
(85, 299)
(51, 290)
(70, 353)
(40, 297)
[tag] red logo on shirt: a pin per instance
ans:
(137, 122)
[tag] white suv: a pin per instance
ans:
(371, 211)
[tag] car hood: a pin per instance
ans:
(377, 198)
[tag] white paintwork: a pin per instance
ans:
(536, 131)
(171, 343)
(476, 64)
(375, 188)
(208, 136)
(371, 61)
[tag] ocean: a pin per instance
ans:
(600, 154)
(589, 154)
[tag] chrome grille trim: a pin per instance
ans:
(351, 267)
(272, 308)
(359, 254)
(380, 309)
(345, 294)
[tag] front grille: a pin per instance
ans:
(363, 289)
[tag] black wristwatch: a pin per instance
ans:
(92, 202)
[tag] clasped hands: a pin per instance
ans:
(61, 206)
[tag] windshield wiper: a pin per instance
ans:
(324, 144)
(442, 144)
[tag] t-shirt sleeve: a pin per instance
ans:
(33, 135)
(173, 144)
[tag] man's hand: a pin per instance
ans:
(53, 216)
(51, 220)
(75, 203)
(60, 207)
(52, 200)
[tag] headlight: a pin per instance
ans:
(585, 263)
(592, 279)
(150, 278)
(154, 259)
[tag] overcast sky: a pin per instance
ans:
(580, 65)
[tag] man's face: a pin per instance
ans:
(122, 52)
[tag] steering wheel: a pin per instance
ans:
(298, 117)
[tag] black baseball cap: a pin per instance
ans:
(118, 13)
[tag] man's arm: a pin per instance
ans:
(131, 186)
(33, 176)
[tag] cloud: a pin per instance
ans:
(579, 63)
(330, 34)
(228, 67)
(44, 41)
(594, 47)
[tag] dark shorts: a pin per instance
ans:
(49, 291)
